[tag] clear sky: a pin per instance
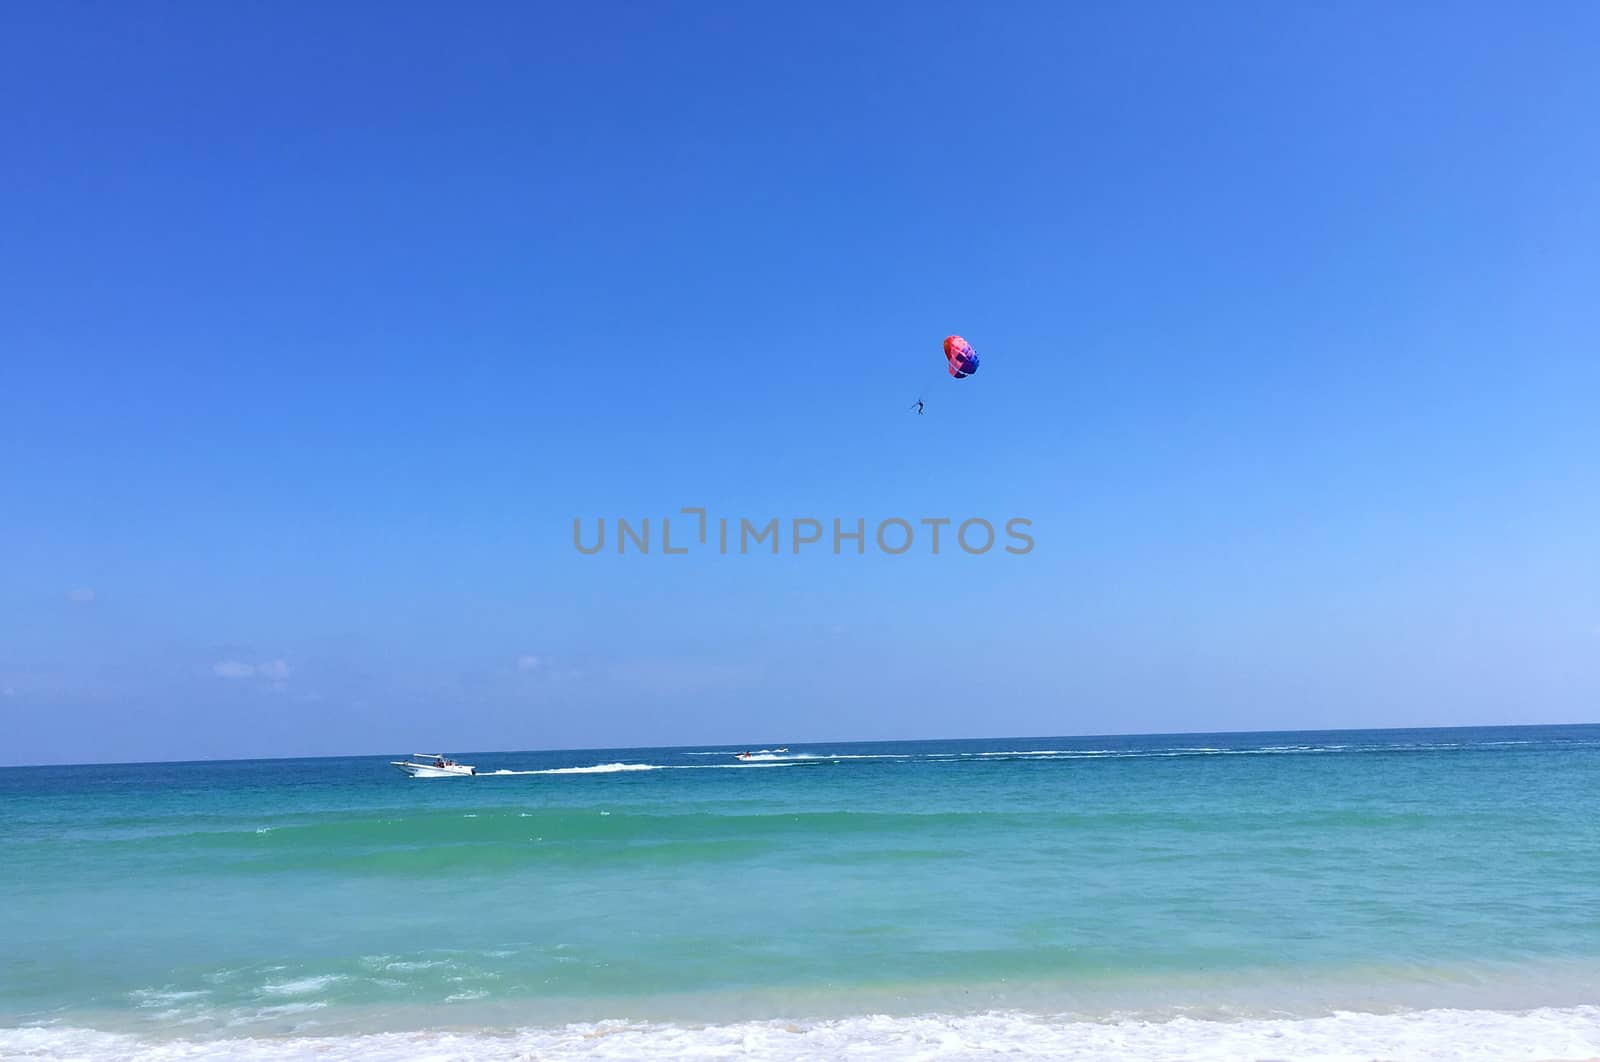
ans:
(320, 324)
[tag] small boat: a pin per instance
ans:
(430, 765)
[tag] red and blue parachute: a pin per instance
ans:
(962, 358)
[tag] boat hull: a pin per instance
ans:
(423, 770)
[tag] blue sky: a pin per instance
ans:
(321, 326)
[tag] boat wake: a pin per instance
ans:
(618, 768)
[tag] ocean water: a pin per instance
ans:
(1350, 894)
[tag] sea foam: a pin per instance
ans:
(1458, 1035)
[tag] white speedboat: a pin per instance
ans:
(428, 765)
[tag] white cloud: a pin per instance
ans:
(274, 672)
(82, 596)
(669, 673)
(527, 663)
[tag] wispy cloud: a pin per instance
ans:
(81, 596)
(276, 672)
(667, 673)
(527, 662)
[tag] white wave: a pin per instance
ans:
(1203, 750)
(1457, 1035)
(303, 987)
(163, 997)
(408, 966)
(273, 1014)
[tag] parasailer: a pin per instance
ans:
(961, 360)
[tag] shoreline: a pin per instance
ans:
(312, 1003)
(1544, 1034)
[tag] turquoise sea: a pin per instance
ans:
(1393, 894)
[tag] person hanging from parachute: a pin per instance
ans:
(960, 359)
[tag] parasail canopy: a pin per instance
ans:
(962, 358)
